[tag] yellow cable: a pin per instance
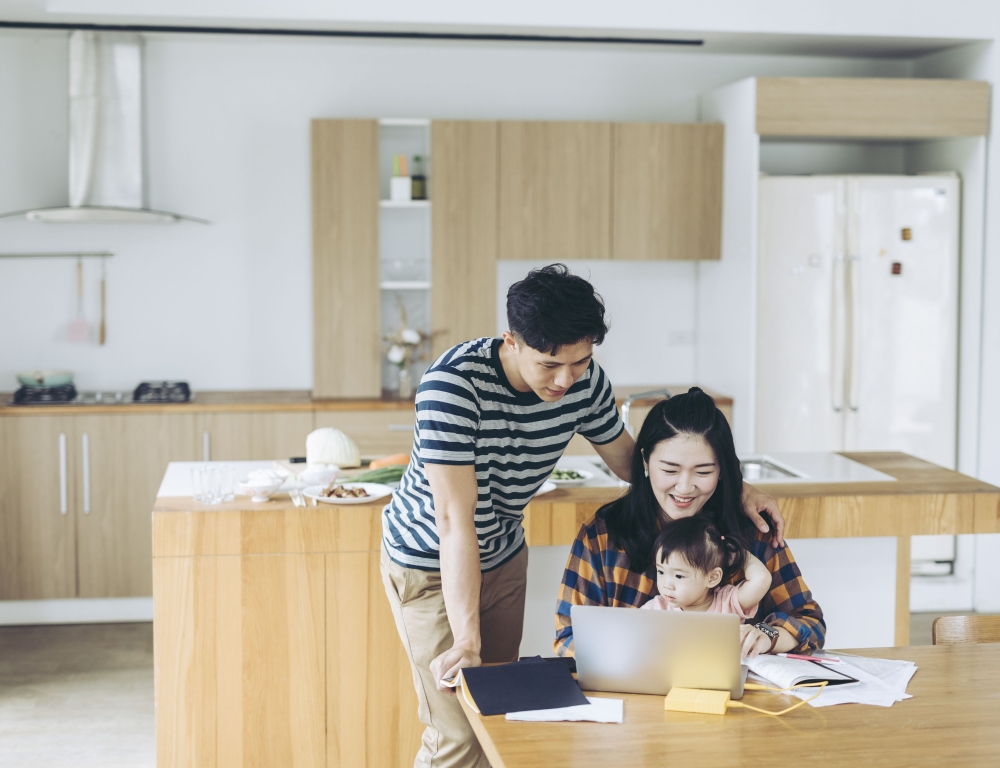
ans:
(758, 687)
(821, 686)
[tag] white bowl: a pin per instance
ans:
(320, 474)
(584, 476)
(261, 491)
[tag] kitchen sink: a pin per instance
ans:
(766, 469)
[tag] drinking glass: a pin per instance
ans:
(198, 483)
(212, 485)
(228, 485)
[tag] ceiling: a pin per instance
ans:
(389, 19)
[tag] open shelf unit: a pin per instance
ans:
(404, 243)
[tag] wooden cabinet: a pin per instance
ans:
(37, 527)
(119, 461)
(376, 432)
(75, 495)
(371, 704)
(244, 681)
(667, 191)
(345, 211)
(871, 107)
(555, 190)
(252, 435)
(463, 231)
(275, 644)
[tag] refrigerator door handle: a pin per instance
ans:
(854, 356)
(838, 319)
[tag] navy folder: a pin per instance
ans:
(522, 685)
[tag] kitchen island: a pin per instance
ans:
(274, 644)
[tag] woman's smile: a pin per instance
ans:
(681, 502)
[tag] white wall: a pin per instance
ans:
(650, 311)
(228, 306)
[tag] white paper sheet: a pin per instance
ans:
(598, 711)
(881, 683)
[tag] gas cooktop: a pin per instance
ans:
(147, 392)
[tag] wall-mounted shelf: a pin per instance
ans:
(405, 285)
(59, 255)
(404, 122)
(404, 203)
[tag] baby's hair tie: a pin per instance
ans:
(723, 538)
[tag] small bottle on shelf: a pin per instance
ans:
(419, 178)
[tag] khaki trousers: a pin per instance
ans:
(418, 606)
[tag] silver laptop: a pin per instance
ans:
(627, 650)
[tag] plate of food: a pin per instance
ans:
(564, 477)
(347, 493)
(547, 487)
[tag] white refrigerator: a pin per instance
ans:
(857, 325)
(857, 319)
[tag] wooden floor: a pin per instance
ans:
(77, 695)
(82, 695)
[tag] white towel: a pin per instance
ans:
(598, 711)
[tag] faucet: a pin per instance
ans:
(627, 404)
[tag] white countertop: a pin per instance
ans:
(177, 478)
(818, 467)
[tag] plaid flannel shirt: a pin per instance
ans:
(597, 573)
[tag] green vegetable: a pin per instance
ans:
(566, 474)
(384, 475)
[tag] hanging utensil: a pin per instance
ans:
(102, 331)
(78, 331)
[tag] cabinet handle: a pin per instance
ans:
(85, 444)
(400, 427)
(854, 357)
(62, 474)
(206, 446)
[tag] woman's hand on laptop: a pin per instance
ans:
(447, 665)
(755, 502)
(753, 642)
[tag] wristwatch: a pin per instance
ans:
(770, 631)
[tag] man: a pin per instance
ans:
(493, 418)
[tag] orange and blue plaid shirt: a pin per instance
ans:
(597, 573)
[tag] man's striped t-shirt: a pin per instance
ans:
(468, 413)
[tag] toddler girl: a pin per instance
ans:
(694, 564)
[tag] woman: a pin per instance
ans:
(685, 464)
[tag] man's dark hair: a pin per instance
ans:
(552, 307)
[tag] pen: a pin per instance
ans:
(824, 659)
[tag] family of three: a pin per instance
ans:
(493, 418)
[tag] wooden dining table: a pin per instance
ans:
(953, 719)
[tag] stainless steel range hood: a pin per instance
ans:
(106, 182)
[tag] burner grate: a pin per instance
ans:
(30, 395)
(162, 392)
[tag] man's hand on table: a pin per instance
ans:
(755, 502)
(447, 665)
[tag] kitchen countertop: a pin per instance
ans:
(923, 499)
(273, 400)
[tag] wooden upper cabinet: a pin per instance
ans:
(667, 191)
(872, 107)
(555, 190)
(463, 231)
(345, 199)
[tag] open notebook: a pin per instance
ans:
(786, 673)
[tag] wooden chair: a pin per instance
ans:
(950, 630)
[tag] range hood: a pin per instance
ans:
(106, 180)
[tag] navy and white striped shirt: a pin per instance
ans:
(468, 413)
